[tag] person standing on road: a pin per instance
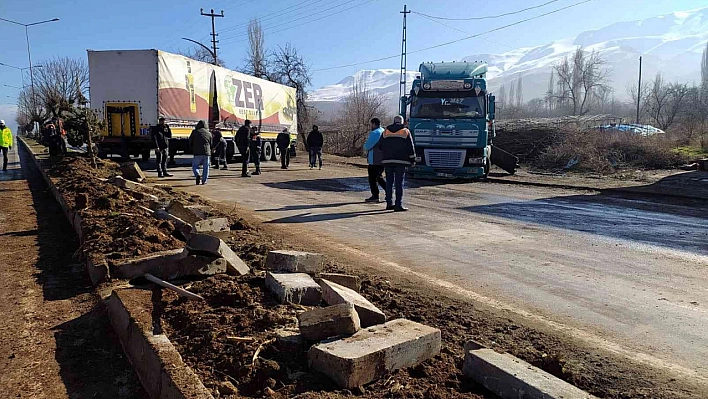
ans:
(5, 143)
(374, 156)
(283, 141)
(398, 154)
(255, 149)
(315, 141)
(243, 143)
(200, 143)
(219, 151)
(160, 135)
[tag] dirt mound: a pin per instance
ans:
(114, 227)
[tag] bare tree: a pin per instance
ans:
(30, 107)
(501, 101)
(665, 102)
(289, 68)
(358, 108)
(580, 76)
(256, 61)
(704, 71)
(633, 92)
(550, 93)
(61, 83)
(199, 53)
(520, 93)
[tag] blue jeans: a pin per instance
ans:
(315, 154)
(395, 175)
(202, 160)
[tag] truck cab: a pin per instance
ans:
(451, 117)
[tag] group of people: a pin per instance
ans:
(389, 150)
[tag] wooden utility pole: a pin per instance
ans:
(213, 30)
(402, 87)
(639, 89)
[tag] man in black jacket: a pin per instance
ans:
(200, 143)
(160, 135)
(398, 153)
(243, 140)
(283, 141)
(315, 141)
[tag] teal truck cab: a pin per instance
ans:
(451, 116)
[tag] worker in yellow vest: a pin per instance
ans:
(5, 143)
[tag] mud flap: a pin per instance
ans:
(504, 160)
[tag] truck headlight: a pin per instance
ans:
(418, 159)
(468, 85)
(426, 86)
(476, 161)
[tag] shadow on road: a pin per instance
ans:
(337, 185)
(651, 223)
(308, 206)
(311, 218)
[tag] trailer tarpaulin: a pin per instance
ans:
(183, 87)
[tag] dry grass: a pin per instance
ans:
(603, 152)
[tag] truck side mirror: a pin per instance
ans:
(492, 107)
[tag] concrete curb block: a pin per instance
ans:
(157, 363)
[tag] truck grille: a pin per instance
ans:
(445, 158)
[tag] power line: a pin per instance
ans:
(489, 16)
(276, 14)
(304, 17)
(467, 33)
(454, 41)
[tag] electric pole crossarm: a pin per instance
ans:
(213, 31)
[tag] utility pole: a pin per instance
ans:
(639, 89)
(402, 87)
(213, 30)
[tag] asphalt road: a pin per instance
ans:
(625, 272)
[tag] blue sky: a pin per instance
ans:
(327, 32)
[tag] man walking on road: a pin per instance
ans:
(5, 143)
(315, 141)
(256, 145)
(283, 141)
(374, 156)
(161, 134)
(243, 138)
(398, 154)
(200, 143)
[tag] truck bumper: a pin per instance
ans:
(427, 172)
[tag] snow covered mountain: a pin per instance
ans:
(671, 44)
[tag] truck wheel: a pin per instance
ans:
(145, 155)
(230, 151)
(276, 154)
(267, 152)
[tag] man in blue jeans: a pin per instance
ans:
(200, 142)
(398, 153)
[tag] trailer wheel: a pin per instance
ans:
(145, 155)
(267, 152)
(276, 154)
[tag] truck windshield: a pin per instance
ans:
(448, 107)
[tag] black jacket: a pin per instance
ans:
(315, 139)
(283, 139)
(200, 140)
(160, 135)
(397, 146)
(243, 136)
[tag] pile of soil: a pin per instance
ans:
(114, 226)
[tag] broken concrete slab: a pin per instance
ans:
(140, 196)
(180, 225)
(294, 288)
(197, 265)
(332, 321)
(131, 171)
(215, 225)
(164, 265)
(189, 214)
(334, 294)
(289, 338)
(371, 353)
(351, 282)
(509, 377)
(295, 261)
(127, 184)
(215, 246)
